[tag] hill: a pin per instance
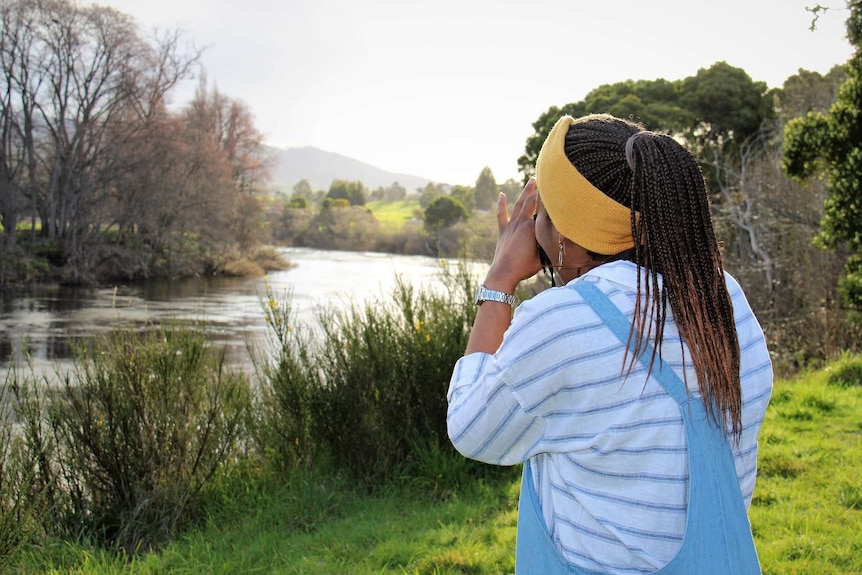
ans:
(320, 167)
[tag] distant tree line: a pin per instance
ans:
(449, 220)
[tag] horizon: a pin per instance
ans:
(441, 90)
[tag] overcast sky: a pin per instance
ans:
(442, 88)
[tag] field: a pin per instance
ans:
(393, 215)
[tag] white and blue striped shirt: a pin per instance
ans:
(609, 453)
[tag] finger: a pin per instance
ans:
(502, 211)
(527, 199)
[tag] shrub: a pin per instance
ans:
(374, 384)
(18, 501)
(287, 372)
(134, 431)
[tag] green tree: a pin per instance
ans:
(444, 212)
(829, 145)
(486, 189)
(717, 105)
(298, 203)
(466, 195)
(353, 192)
(726, 106)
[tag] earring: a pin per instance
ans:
(562, 252)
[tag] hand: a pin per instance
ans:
(516, 257)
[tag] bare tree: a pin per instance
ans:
(76, 81)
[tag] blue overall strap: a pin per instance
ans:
(717, 539)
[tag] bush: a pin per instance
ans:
(135, 430)
(18, 501)
(374, 385)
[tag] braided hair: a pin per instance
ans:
(654, 175)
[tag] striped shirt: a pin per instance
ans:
(609, 454)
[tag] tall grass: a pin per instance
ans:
(369, 394)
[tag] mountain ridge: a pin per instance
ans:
(321, 167)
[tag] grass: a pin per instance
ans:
(806, 514)
(393, 215)
(807, 508)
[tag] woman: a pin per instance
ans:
(634, 392)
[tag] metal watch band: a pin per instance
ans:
(484, 294)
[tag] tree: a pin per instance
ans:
(77, 84)
(428, 194)
(353, 192)
(224, 126)
(230, 125)
(829, 145)
(726, 105)
(466, 195)
(394, 192)
(719, 104)
(351, 228)
(444, 212)
(486, 189)
(298, 203)
(303, 189)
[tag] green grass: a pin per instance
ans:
(806, 515)
(392, 215)
(807, 508)
(318, 527)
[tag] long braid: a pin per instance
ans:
(665, 185)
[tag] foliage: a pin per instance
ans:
(298, 203)
(351, 228)
(466, 195)
(303, 189)
(486, 189)
(353, 192)
(429, 193)
(139, 426)
(829, 145)
(719, 105)
(392, 193)
(375, 382)
(19, 502)
(444, 212)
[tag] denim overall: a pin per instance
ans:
(717, 537)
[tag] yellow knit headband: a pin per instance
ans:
(579, 210)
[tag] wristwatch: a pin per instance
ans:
(484, 294)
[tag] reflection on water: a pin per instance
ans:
(49, 319)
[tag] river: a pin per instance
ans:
(49, 319)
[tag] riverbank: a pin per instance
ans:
(805, 515)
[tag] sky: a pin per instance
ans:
(442, 88)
